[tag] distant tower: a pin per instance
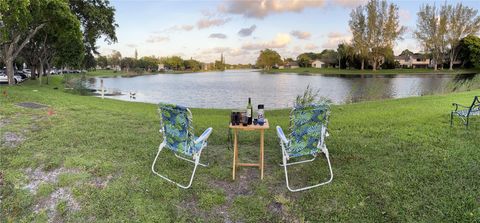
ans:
(221, 59)
(136, 54)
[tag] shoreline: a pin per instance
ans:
(386, 72)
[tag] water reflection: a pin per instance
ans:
(231, 89)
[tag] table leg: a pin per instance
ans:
(235, 152)
(261, 153)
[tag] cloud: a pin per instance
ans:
(208, 22)
(280, 41)
(311, 46)
(181, 28)
(300, 34)
(262, 8)
(157, 39)
(218, 36)
(348, 3)
(131, 45)
(247, 31)
(404, 15)
(335, 38)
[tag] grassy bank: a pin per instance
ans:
(334, 71)
(88, 159)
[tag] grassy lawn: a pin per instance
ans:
(334, 71)
(85, 159)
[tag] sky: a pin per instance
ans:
(239, 29)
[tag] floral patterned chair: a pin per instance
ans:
(177, 129)
(307, 138)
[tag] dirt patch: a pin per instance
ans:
(50, 203)
(38, 176)
(1, 179)
(31, 105)
(12, 140)
(100, 182)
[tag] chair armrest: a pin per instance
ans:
(459, 105)
(281, 135)
(204, 135)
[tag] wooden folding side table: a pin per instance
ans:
(252, 127)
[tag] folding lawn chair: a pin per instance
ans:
(307, 138)
(177, 129)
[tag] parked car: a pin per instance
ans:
(22, 75)
(27, 72)
(4, 78)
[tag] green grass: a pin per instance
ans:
(393, 161)
(334, 71)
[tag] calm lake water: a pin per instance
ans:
(231, 89)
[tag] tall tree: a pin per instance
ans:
(461, 21)
(375, 27)
(97, 19)
(268, 58)
(358, 27)
(18, 26)
(431, 31)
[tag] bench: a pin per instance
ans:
(465, 112)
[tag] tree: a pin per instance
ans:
(60, 41)
(406, 52)
(358, 27)
(18, 26)
(461, 21)
(102, 61)
(193, 65)
(375, 27)
(346, 55)
(174, 63)
(268, 58)
(469, 51)
(148, 63)
(305, 59)
(330, 57)
(431, 31)
(115, 59)
(127, 63)
(97, 18)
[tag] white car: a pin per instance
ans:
(4, 78)
(27, 72)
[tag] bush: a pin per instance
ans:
(76, 84)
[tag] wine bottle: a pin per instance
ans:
(249, 111)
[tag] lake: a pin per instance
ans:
(231, 89)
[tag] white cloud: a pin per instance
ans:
(131, 45)
(300, 34)
(218, 36)
(348, 3)
(335, 38)
(157, 39)
(208, 22)
(262, 8)
(280, 41)
(247, 31)
(311, 47)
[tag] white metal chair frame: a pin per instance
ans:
(284, 143)
(196, 157)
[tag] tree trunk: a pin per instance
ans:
(363, 64)
(452, 59)
(40, 73)
(374, 65)
(10, 71)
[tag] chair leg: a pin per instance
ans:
(197, 162)
(285, 164)
(451, 119)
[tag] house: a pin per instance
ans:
(413, 61)
(291, 65)
(319, 64)
(161, 67)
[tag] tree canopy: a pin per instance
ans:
(268, 58)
